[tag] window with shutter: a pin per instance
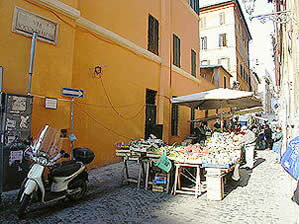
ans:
(221, 18)
(193, 63)
(204, 43)
(153, 35)
(203, 22)
(195, 5)
(224, 82)
(176, 51)
(222, 40)
(205, 62)
(224, 62)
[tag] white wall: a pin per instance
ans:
(212, 30)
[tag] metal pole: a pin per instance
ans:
(1, 78)
(221, 118)
(72, 116)
(33, 44)
(72, 121)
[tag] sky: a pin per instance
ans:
(261, 45)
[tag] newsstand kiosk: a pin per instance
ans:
(15, 118)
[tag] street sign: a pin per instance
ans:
(72, 92)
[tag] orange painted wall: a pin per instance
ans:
(125, 79)
(126, 18)
(189, 39)
(52, 69)
(126, 74)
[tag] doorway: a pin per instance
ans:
(150, 112)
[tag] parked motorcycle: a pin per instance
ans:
(49, 181)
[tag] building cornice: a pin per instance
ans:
(225, 4)
(60, 7)
(92, 27)
(96, 29)
(185, 74)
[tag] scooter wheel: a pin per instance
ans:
(23, 205)
(80, 183)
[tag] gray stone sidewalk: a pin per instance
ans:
(263, 195)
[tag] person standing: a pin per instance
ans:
(268, 136)
(196, 133)
(202, 132)
(217, 126)
(277, 143)
(249, 141)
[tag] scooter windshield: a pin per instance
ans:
(49, 141)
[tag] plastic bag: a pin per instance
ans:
(164, 163)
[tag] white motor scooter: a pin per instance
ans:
(49, 181)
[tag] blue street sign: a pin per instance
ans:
(72, 92)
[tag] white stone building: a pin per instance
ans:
(225, 38)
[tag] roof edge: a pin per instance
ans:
(239, 7)
(215, 66)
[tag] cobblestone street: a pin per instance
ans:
(261, 196)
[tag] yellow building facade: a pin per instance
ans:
(129, 57)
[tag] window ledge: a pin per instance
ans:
(185, 74)
(191, 10)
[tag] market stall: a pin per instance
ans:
(209, 161)
(221, 152)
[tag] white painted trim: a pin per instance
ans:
(191, 10)
(60, 7)
(184, 73)
(92, 27)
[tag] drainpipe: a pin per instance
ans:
(33, 44)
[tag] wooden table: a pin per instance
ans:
(214, 177)
(128, 155)
(178, 188)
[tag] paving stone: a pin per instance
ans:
(261, 196)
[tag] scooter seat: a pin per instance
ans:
(65, 168)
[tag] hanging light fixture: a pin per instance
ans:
(249, 6)
(281, 17)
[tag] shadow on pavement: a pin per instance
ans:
(258, 162)
(245, 175)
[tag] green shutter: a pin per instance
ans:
(176, 50)
(193, 63)
(153, 35)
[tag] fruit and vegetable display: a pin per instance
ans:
(220, 149)
(152, 144)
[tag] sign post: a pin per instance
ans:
(69, 92)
